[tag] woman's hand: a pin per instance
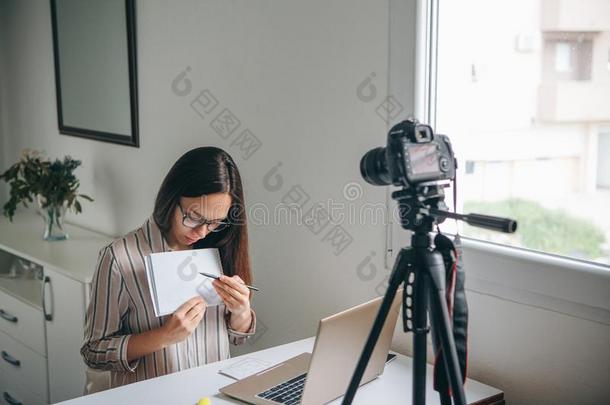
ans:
(234, 294)
(183, 321)
(177, 327)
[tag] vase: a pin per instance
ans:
(53, 215)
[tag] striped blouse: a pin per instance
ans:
(121, 305)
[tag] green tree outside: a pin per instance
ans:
(540, 228)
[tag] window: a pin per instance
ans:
(563, 57)
(525, 98)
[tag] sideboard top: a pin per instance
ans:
(75, 257)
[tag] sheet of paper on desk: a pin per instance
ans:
(173, 278)
(245, 368)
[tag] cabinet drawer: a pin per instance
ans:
(23, 322)
(16, 394)
(23, 366)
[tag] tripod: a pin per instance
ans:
(422, 163)
(429, 295)
(422, 271)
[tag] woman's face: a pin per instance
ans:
(209, 207)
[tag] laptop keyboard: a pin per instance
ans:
(288, 392)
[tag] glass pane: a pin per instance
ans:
(524, 94)
(563, 57)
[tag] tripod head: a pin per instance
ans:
(422, 207)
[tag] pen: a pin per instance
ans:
(218, 278)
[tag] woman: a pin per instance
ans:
(200, 204)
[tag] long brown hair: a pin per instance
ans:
(201, 171)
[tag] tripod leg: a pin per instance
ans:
(420, 335)
(397, 278)
(441, 325)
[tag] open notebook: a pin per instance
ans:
(173, 278)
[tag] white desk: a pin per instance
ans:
(186, 387)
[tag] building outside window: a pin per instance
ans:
(523, 91)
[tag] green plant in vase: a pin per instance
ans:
(51, 183)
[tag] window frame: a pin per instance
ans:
(534, 278)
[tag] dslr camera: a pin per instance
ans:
(414, 156)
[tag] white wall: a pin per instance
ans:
(3, 147)
(538, 331)
(289, 71)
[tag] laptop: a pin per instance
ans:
(323, 375)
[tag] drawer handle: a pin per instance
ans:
(10, 359)
(49, 316)
(7, 316)
(8, 398)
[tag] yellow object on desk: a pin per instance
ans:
(204, 401)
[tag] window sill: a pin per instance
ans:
(546, 281)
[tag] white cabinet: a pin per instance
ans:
(24, 371)
(65, 307)
(20, 318)
(42, 310)
(12, 396)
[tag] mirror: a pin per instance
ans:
(94, 46)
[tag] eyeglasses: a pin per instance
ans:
(190, 221)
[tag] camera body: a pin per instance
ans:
(413, 155)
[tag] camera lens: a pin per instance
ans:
(374, 168)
